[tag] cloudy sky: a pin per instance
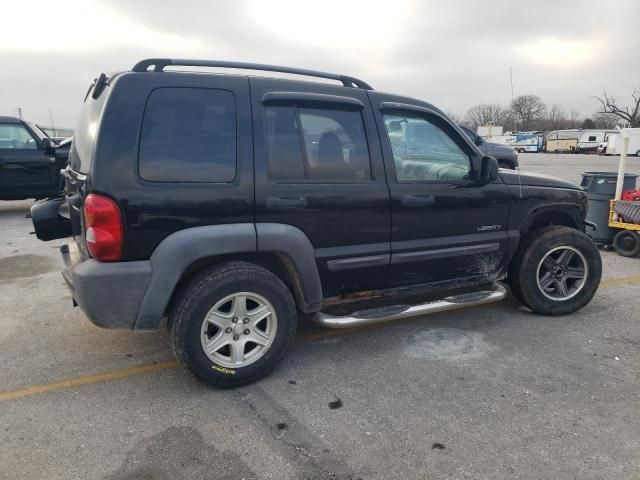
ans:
(452, 53)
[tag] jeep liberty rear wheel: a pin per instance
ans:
(232, 324)
(556, 271)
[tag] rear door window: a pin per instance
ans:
(189, 135)
(316, 144)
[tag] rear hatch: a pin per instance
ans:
(62, 216)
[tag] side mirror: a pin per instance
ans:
(478, 141)
(488, 170)
(47, 146)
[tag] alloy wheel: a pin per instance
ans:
(239, 329)
(562, 273)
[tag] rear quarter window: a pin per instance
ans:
(85, 134)
(188, 135)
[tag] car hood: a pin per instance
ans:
(512, 177)
(501, 147)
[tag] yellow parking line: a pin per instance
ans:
(619, 281)
(129, 372)
(101, 377)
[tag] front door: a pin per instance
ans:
(446, 226)
(318, 167)
(22, 162)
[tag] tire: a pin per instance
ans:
(556, 271)
(627, 243)
(213, 294)
(513, 278)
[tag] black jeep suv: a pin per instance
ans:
(30, 161)
(231, 204)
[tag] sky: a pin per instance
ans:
(454, 54)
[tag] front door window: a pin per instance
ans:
(422, 151)
(16, 137)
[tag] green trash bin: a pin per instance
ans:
(601, 188)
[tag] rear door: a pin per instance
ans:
(318, 167)
(23, 163)
(446, 226)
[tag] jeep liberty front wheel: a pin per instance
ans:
(232, 324)
(556, 271)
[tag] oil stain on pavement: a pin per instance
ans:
(447, 344)
(180, 453)
(20, 266)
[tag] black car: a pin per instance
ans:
(231, 204)
(30, 161)
(507, 156)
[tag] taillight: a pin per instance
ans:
(103, 224)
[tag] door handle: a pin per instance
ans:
(417, 200)
(285, 203)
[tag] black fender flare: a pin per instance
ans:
(568, 209)
(293, 244)
(178, 251)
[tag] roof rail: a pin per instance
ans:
(159, 64)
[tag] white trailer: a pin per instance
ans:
(608, 147)
(526, 141)
(614, 143)
(489, 131)
(589, 140)
(520, 142)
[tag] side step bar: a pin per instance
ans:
(396, 312)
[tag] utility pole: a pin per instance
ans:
(19, 109)
(515, 126)
(511, 79)
(53, 126)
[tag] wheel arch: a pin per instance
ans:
(284, 250)
(277, 263)
(561, 215)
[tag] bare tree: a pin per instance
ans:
(556, 118)
(607, 121)
(486, 113)
(527, 109)
(629, 113)
(574, 119)
(454, 117)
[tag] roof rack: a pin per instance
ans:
(159, 65)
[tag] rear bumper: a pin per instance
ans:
(110, 294)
